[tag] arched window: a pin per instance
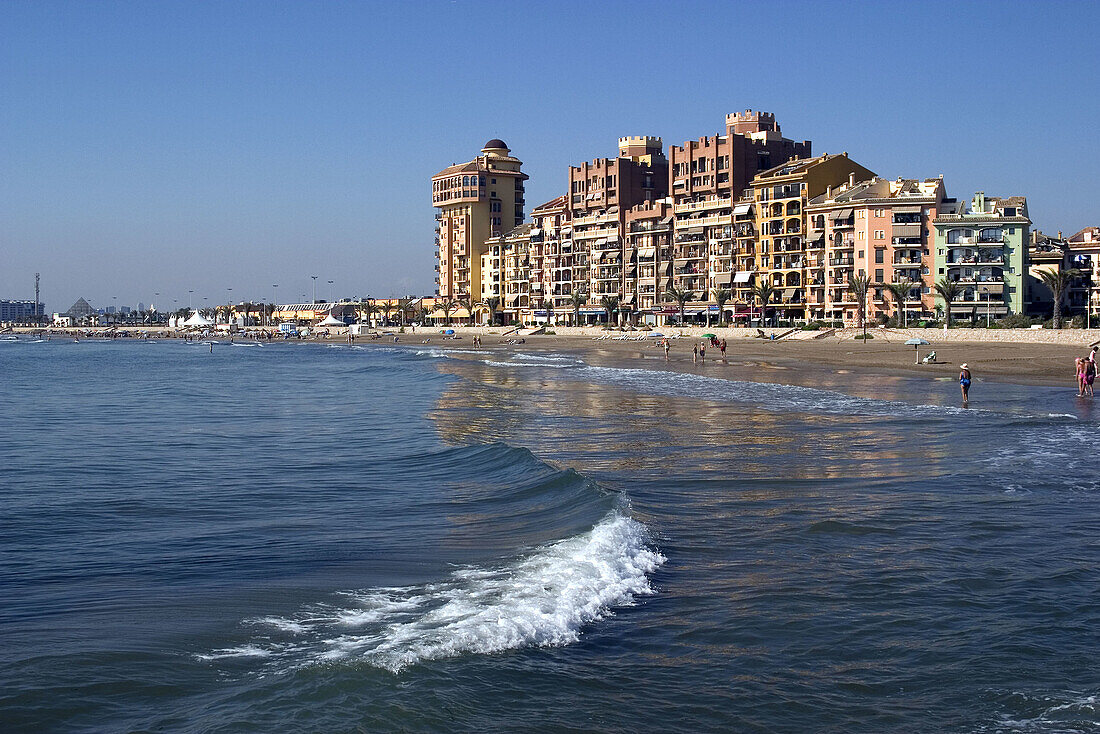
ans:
(954, 236)
(465, 180)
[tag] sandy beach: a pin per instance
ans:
(1019, 356)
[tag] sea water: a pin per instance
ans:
(333, 538)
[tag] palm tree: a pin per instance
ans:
(610, 304)
(680, 296)
(463, 301)
(763, 292)
(900, 291)
(448, 307)
(1058, 281)
(370, 308)
(577, 299)
(492, 303)
(402, 310)
(858, 285)
(948, 290)
(721, 297)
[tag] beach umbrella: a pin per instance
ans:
(709, 336)
(916, 344)
(449, 331)
(655, 335)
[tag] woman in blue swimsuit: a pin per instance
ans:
(964, 381)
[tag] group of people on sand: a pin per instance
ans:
(1085, 369)
(699, 351)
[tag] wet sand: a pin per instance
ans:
(1022, 363)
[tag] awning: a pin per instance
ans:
(843, 214)
(646, 252)
(742, 277)
(601, 241)
(628, 298)
(666, 220)
(789, 292)
(536, 230)
(722, 279)
(741, 209)
(905, 209)
(692, 230)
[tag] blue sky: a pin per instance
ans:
(175, 146)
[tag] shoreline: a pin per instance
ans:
(1014, 356)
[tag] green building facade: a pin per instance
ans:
(984, 251)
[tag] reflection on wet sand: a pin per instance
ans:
(611, 430)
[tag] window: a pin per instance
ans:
(878, 255)
(861, 235)
(880, 212)
(878, 279)
(861, 257)
(880, 234)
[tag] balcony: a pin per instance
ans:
(906, 262)
(984, 259)
(841, 261)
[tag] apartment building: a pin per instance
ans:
(1084, 255)
(794, 265)
(648, 255)
(706, 176)
(877, 228)
(601, 193)
(546, 254)
(476, 200)
(984, 249)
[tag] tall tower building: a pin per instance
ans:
(476, 200)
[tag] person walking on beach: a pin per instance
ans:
(695, 353)
(667, 347)
(1079, 373)
(964, 382)
(703, 352)
(1090, 376)
(722, 348)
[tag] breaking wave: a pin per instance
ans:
(543, 599)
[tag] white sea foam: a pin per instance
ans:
(543, 599)
(244, 651)
(1065, 712)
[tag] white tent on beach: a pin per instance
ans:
(197, 319)
(331, 320)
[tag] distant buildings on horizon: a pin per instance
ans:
(720, 217)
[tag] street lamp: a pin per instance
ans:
(314, 288)
(274, 304)
(330, 291)
(189, 300)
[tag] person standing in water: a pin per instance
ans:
(667, 347)
(964, 381)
